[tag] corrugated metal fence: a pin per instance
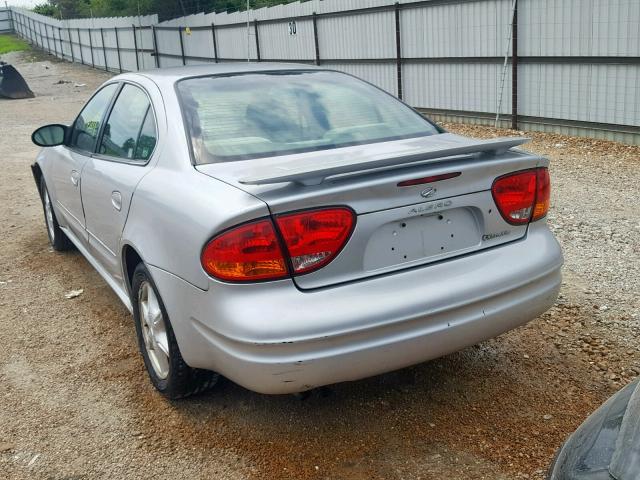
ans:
(572, 66)
(6, 25)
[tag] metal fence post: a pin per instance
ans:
(398, 50)
(93, 64)
(215, 42)
(31, 36)
(118, 49)
(184, 62)
(135, 46)
(255, 29)
(514, 68)
(73, 59)
(46, 32)
(42, 38)
(12, 25)
(155, 46)
(60, 42)
(53, 37)
(80, 45)
(104, 50)
(315, 37)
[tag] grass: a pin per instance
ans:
(11, 43)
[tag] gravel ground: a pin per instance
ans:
(76, 402)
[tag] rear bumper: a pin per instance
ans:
(273, 338)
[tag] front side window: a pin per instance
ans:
(130, 131)
(246, 116)
(87, 125)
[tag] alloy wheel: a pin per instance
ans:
(154, 330)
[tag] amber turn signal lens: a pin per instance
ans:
(543, 194)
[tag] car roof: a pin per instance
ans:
(173, 74)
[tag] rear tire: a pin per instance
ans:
(57, 238)
(162, 358)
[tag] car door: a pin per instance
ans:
(65, 169)
(110, 177)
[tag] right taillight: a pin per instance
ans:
(252, 252)
(523, 196)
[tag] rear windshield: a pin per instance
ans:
(257, 115)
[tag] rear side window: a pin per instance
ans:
(87, 125)
(147, 140)
(130, 131)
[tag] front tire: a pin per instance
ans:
(162, 358)
(57, 238)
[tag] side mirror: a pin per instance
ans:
(49, 135)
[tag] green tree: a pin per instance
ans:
(47, 9)
(164, 8)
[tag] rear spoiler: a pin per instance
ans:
(309, 170)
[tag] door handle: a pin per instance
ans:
(116, 200)
(75, 177)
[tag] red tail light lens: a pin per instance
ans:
(543, 195)
(249, 252)
(252, 252)
(314, 238)
(523, 196)
(514, 195)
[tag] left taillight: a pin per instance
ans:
(253, 252)
(249, 252)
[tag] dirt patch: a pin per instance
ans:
(76, 402)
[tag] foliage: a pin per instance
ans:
(9, 43)
(47, 9)
(164, 8)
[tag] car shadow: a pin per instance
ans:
(483, 405)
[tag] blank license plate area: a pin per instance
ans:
(427, 237)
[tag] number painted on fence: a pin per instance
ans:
(293, 30)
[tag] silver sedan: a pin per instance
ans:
(290, 227)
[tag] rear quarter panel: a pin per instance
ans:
(175, 212)
(175, 209)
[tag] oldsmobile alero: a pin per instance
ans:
(290, 227)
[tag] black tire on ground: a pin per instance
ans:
(57, 238)
(182, 380)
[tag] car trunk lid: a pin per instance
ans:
(397, 227)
